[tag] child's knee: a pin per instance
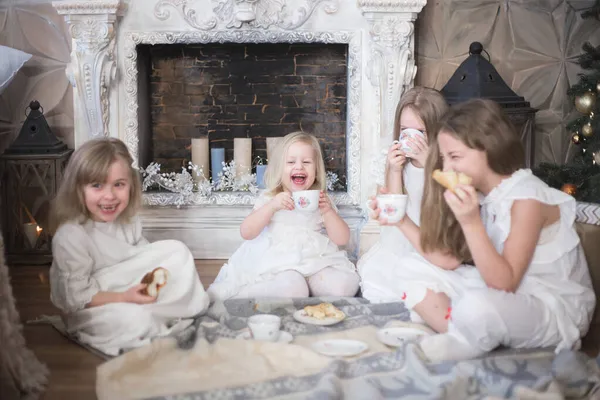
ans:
(475, 315)
(294, 282)
(334, 282)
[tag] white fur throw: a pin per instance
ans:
(22, 375)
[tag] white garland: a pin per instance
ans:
(183, 183)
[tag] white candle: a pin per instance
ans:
(31, 233)
(242, 155)
(272, 142)
(200, 156)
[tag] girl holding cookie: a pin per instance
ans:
(101, 257)
(417, 115)
(530, 285)
(290, 252)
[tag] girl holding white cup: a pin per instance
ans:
(401, 183)
(286, 254)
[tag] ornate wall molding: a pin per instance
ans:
(92, 25)
(394, 6)
(391, 68)
(132, 39)
(255, 14)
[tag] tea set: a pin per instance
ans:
(267, 328)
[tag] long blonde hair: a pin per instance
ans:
(90, 164)
(428, 104)
(482, 125)
(274, 171)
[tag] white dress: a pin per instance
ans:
(376, 266)
(113, 257)
(554, 303)
(293, 240)
(558, 274)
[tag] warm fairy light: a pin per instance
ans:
(38, 230)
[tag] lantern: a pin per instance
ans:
(31, 170)
(476, 77)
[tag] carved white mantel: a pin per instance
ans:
(92, 25)
(381, 66)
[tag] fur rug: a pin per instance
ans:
(22, 375)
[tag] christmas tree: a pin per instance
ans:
(580, 177)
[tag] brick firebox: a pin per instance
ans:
(231, 90)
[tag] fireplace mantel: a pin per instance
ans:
(381, 66)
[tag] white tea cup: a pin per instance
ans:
(306, 200)
(392, 206)
(405, 135)
(265, 327)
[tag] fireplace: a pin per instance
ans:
(335, 69)
(232, 90)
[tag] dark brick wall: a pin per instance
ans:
(245, 90)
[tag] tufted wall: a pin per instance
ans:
(532, 43)
(34, 27)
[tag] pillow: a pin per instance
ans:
(11, 61)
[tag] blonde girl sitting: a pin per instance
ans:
(285, 253)
(419, 108)
(100, 256)
(530, 285)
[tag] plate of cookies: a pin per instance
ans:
(320, 314)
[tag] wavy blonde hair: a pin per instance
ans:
(274, 171)
(482, 125)
(428, 104)
(90, 164)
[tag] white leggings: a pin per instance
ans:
(327, 282)
(488, 318)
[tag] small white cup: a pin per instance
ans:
(265, 327)
(306, 200)
(392, 206)
(408, 133)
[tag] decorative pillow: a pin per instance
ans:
(11, 61)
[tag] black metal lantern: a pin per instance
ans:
(31, 170)
(476, 77)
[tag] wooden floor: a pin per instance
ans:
(72, 368)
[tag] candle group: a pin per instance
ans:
(242, 157)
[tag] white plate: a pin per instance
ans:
(300, 316)
(395, 337)
(284, 337)
(340, 347)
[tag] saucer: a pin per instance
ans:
(340, 347)
(284, 337)
(397, 336)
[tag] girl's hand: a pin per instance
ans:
(372, 206)
(418, 149)
(133, 295)
(464, 203)
(324, 203)
(396, 158)
(283, 201)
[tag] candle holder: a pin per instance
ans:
(31, 171)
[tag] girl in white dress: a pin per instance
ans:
(100, 256)
(419, 108)
(286, 253)
(530, 285)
